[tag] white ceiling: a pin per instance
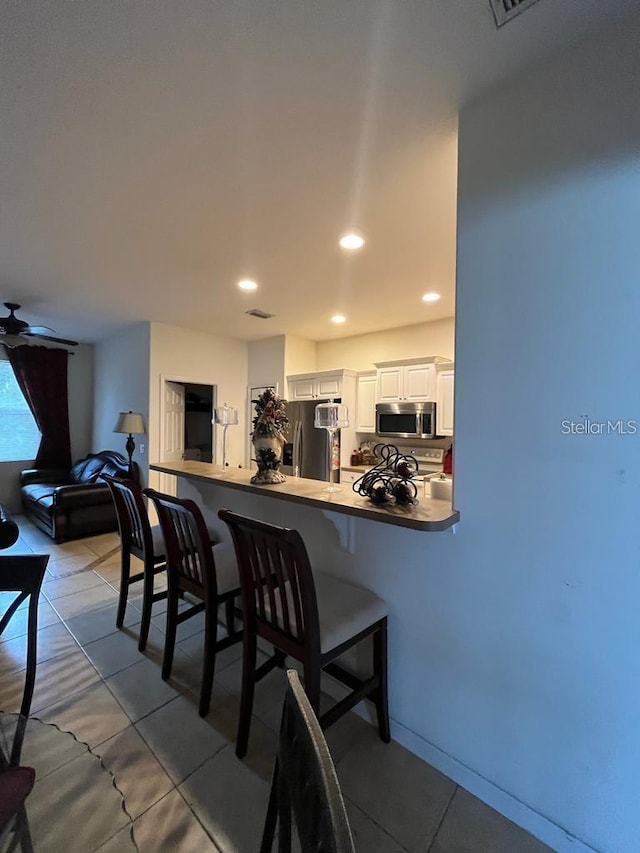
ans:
(154, 152)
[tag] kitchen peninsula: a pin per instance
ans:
(429, 515)
(347, 537)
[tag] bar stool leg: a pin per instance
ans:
(312, 685)
(248, 685)
(147, 604)
(125, 569)
(271, 820)
(380, 695)
(210, 637)
(170, 636)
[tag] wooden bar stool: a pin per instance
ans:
(310, 616)
(145, 542)
(304, 783)
(23, 575)
(206, 572)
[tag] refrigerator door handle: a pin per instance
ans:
(297, 449)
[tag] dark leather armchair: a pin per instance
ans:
(75, 503)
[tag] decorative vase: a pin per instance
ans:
(268, 456)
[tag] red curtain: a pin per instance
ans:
(41, 373)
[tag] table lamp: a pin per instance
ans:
(225, 416)
(133, 424)
(332, 417)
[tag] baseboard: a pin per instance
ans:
(522, 815)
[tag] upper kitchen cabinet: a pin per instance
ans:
(366, 402)
(445, 380)
(316, 386)
(409, 379)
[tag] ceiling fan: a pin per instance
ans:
(14, 332)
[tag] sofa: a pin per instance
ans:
(75, 503)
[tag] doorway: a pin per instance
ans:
(186, 428)
(198, 415)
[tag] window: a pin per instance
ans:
(19, 435)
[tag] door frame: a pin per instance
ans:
(183, 380)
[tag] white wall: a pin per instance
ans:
(360, 352)
(122, 385)
(266, 362)
(185, 355)
(271, 360)
(300, 355)
(81, 384)
(539, 665)
(80, 389)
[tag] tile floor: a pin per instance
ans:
(183, 787)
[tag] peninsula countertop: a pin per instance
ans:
(429, 515)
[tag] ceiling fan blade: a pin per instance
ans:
(39, 330)
(51, 338)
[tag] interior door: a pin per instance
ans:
(172, 449)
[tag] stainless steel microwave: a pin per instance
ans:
(406, 420)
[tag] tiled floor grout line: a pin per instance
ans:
(378, 825)
(442, 819)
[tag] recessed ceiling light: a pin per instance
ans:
(352, 241)
(431, 297)
(338, 318)
(247, 284)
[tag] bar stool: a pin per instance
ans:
(24, 576)
(304, 783)
(139, 538)
(310, 616)
(208, 573)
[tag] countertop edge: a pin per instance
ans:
(369, 513)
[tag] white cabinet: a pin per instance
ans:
(444, 404)
(322, 385)
(349, 476)
(415, 382)
(390, 384)
(366, 402)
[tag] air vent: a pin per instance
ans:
(262, 315)
(505, 10)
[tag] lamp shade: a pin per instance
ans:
(225, 415)
(131, 423)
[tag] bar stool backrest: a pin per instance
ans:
(133, 521)
(305, 781)
(278, 593)
(188, 543)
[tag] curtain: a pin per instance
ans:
(41, 373)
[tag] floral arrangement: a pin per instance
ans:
(270, 415)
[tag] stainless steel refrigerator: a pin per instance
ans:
(306, 452)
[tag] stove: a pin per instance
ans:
(430, 460)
